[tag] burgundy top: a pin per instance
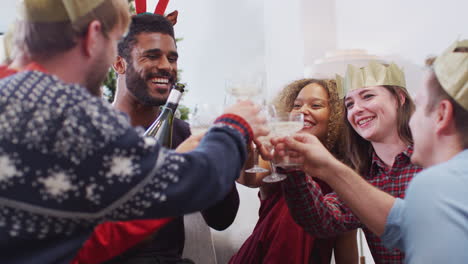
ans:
(278, 239)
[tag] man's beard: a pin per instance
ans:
(138, 86)
(96, 76)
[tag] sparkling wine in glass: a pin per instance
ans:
(202, 117)
(287, 124)
(245, 87)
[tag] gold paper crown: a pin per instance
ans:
(56, 10)
(339, 86)
(375, 74)
(451, 69)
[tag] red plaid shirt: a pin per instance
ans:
(327, 216)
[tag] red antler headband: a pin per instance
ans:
(140, 6)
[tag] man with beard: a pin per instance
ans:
(147, 69)
(69, 161)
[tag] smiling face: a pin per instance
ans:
(372, 112)
(152, 71)
(313, 102)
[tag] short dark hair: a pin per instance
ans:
(143, 23)
(460, 115)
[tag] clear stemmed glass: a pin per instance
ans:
(247, 87)
(284, 124)
(271, 114)
(202, 117)
(274, 175)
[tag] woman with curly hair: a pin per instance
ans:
(276, 238)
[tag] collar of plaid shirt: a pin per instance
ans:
(401, 160)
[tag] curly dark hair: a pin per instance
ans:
(143, 23)
(285, 100)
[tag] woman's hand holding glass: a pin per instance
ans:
(308, 151)
(281, 124)
(287, 124)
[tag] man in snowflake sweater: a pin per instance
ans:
(69, 161)
(149, 51)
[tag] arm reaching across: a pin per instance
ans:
(370, 204)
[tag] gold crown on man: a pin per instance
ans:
(56, 10)
(375, 74)
(451, 69)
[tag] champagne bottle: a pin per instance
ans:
(161, 129)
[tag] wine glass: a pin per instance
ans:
(245, 87)
(284, 124)
(202, 117)
(271, 114)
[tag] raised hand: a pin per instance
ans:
(190, 143)
(316, 160)
(251, 114)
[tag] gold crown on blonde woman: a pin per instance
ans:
(56, 10)
(375, 74)
(451, 69)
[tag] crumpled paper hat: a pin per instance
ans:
(340, 86)
(56, 10)
(451, 69)
(375, 74)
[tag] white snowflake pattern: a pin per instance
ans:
(7, 168)
(57, 184)
(122, 167)
(149, 141)
(92, 193)
(90, 190)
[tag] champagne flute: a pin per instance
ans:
(285, 124)
(274, 175)
(202, 117)
(247, 87)
(266, 141)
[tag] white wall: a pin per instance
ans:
(220, 38)
(7, 13)
(406, 32)
(284, 43)
(410, 29)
